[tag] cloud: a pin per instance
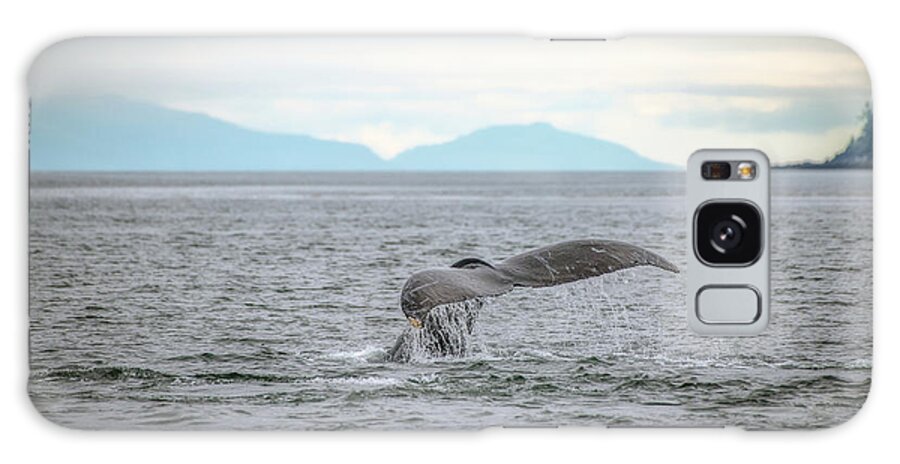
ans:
(659, 95)
(751, 114)
(673, 144)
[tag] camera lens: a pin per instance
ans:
(728, 233)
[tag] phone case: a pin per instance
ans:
(435, 233)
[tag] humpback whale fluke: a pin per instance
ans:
(472, 279)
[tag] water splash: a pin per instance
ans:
(448, 330)
(602, 316)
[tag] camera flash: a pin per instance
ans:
(746, 170)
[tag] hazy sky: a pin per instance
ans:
(795, 99)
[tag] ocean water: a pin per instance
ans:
(270, 300)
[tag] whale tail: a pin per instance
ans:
(578, 259)
(459, 290)
(543, 267)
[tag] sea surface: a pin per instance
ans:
(269, 301)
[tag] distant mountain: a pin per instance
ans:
(115, 134)
(532, 147)
(857, 154)
(111, 134)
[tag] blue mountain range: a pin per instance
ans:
(115, 134)
(532, 147)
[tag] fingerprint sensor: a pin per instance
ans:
(728, 304)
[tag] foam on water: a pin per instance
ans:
(371, 381)
(365, 355)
